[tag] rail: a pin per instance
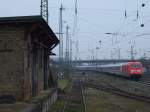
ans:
(75, 97)
(140, 81)
(83, 98)
(119, 92)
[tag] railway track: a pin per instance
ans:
(75, 100)
(144, 81)
(117, 91)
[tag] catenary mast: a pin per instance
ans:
(75, 31)
(44, 9)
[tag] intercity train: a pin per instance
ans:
(132, 69)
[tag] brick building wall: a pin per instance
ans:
(11, 61)
(16, 64)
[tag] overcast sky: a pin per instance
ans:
(95, 18)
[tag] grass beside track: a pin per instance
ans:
(57, 107)
(62, 83)
(99, 101)
(74, 108)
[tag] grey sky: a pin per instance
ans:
(95, 17)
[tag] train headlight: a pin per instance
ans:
(133, 71)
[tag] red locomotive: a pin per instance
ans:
(129, 69)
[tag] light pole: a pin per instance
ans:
(100, 43)
(114, 34)
(97, 48)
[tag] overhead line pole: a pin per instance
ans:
(67, 44)
(77, 43)
(75, 32)
(132, 53)
(61, 34)
(70, 54)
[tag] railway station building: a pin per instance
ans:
(26, 44)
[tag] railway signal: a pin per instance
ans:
(143, 4)
(142, 25)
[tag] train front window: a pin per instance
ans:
(136, 66)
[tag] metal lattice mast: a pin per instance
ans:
(70, 50)
(67, 44)
(61, 34)
(75, 31)
(44, 9)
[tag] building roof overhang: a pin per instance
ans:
(31, 21)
